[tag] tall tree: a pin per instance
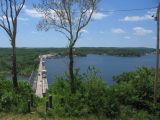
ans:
(9, 12)
(68, 17)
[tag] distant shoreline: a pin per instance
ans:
(28, 58)
(84, 55)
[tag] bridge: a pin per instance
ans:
(42, 83)
(38, 80)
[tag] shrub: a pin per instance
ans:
(14, 100)
(136, 89)
(130, 97)
(92, 96)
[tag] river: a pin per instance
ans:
(108, 66)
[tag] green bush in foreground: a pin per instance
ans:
(130, 97)
(92, 96)
(12, 100)
(136, 89)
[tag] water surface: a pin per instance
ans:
(108, 66)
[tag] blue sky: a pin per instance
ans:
(107, 29)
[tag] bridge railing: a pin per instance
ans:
(33, 80)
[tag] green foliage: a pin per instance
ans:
(92, 96)
(124, 52)
(65, 103)
(14, 100)
(130, 97)
(2, 76)
(27, 60)
(136, 89)
(128, 113)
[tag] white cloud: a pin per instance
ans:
(139, 31)
(127, 37)
(84, 31)
(34, 32)
(23, 19)
(137, 18)
(24, 7)
(118, 30)
(33, 13)
(98, 15)
(19, 18)
(147, 16)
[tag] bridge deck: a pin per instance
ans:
(42, 84)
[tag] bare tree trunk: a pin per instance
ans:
(69, 23)
(10, 10)
(71, 74)
(14, 66)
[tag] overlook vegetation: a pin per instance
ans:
(131, 97)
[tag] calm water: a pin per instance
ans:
(108, 66)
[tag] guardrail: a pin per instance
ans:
(33, 80)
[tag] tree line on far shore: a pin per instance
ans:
(27, 58)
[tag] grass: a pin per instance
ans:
(14, 116)
(37, 116)
(39, 113)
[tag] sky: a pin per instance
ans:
(107, 29)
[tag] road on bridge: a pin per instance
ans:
(42, 84)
